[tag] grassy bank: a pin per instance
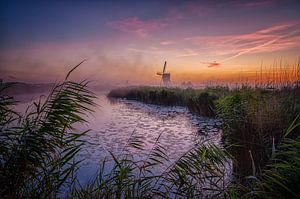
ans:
(256, 120)
(199, 101)
(255, 126)
(262, 129)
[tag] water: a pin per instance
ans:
(113, 122)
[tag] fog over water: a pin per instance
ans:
(114, 121)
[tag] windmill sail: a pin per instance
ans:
(165, 65)
(165, 77)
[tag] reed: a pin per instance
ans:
(255, 124)
(255, 121)
(38, 148)
(199, 101)
(279, 178)
(198, 173)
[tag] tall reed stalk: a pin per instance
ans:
(38, 147)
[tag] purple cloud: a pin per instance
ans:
(137, 26)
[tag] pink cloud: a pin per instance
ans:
(173, 16)
(274, 38)
(137, 26)
(149, 50)
(276, 28)
(211, 64)
(167, 42)
(188, 53)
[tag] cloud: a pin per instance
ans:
(173, 15)
(148, 50)
(137, 26)
(255, 3)
(168, 42)
(192, 9)
(211, 64)
(188, 10)
(188, 52)
(275, 38)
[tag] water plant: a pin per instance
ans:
(279, 178)
(37, 148)
(198, 173)
(255, 121)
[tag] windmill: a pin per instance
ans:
(165, 77)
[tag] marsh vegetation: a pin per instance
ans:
(260, 129)
(260, 136)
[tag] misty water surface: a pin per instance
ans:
(114, 121)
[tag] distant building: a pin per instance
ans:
(165, 77)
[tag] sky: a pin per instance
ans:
(130, 40)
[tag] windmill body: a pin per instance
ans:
(165, 76)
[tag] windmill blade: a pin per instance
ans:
(159, 73)
(165, 65)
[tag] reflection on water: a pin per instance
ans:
(113, 122)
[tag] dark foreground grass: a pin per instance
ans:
(37, 148)
(255, 121)
(197, 174)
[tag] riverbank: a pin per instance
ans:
(199, 101)
(257, 123)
